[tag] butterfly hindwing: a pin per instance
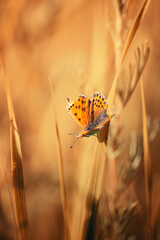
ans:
(97, 106)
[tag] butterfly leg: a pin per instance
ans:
(77, 137)
(96, 135)
(74, 143)
(73, 133)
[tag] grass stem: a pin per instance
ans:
(61, 172)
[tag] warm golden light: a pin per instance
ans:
(86, 191)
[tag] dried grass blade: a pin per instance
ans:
(147, 159)
(7, 89)
(135, 25)
(90, 195)
(92, 221)
(18, 185)
(61, 172)
(131, 34)
(16, 167)
(12, 205)
(94, 189)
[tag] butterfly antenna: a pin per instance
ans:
(74, 143)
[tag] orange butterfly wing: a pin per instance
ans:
(97, 106)
(79, 111)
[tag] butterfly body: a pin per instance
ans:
(89, 114)
(88, 133)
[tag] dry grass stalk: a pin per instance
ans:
(130, 37)
(18, 185)
(97, 169)
(135, 71)
(93, 192)
(139, 66)
(90, 194)
(147, 160)
(111, 96)
(135, 25)
(112, 162)
(121, 8)
(93, 171)
(12, 204)
(16, 167)
(61, 172)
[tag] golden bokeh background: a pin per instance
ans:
(69, 42)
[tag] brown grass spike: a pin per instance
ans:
(61, 172)
(131, 34)
(16, 166)
(147, 159)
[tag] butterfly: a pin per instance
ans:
(90, 114)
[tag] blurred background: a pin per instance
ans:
(70, 42)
